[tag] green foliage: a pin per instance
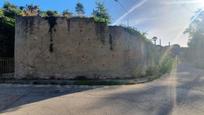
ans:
(7, 29)
(1, 13)
(11, 10)
(152, 71)
(161, 65)
(136, 32)
(100, 14)
(51, 13)
(8, 13)
(132, 30)
(196, 43)
(166, 65)
(196, 30)
(79, 9)
(137, 73)
(30, 10)
(43, 13)
(66, 13)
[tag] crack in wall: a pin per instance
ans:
(111, 41)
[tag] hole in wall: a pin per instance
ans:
(52, 77)
(81, 78)
(51, 47)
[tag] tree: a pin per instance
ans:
(79, 9)
(66, 13)
(52, 13)
(1, 13)
(31, 10)
(196, 29)
(7, 25)
(7, 29)
(100, 14)
(11, 10)
(196, 42)
(43, 13)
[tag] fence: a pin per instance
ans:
(6, 65)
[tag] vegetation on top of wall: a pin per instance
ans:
(79, 9)
(66, 13)
(51, 13)
(7, 30)
(100, 14)
(133, 31)
(9, 11)
(30, 10)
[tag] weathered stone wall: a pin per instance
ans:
(58, 47)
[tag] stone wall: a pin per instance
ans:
(62, 48)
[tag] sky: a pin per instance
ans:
(166, 19)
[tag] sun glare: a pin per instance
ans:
(201, 3)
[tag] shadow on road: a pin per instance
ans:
(12, 97)
(159, 98)
(180, 92)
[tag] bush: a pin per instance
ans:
(151, 71)
(166, 65)
(100, 14)
(138, 72)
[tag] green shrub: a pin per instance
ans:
(138, 72)
(166, 65)
(151, 71)
(100, 14)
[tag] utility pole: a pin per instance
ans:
(160, 42)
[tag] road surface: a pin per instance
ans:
(180, 93)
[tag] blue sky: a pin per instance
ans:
(166, 19)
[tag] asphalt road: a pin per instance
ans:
(180, 93)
